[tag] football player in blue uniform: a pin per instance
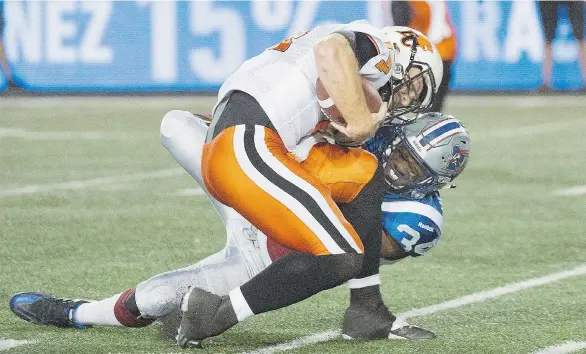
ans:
(418, 159)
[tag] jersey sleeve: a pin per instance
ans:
(416, 225)
(362, 44)
(374, 51)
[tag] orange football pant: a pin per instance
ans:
(248, 168)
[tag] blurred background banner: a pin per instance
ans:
(3, 82)
(167, 45)
(500, 47)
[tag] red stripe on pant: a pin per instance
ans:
(276, 250)
(123, 314)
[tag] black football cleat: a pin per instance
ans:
(43, 309)
(403, 330)
(361, 323)
(204, 315)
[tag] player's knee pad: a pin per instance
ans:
(159, 295)
(172, 122)
(183, 126)
(183, 135)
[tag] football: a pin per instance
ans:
(373, 100)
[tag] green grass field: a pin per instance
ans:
(503, 224)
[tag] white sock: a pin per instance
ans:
(240, 305)
(97, 313)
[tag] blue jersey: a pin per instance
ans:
(415, 224)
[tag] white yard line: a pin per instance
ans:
(171, 101)
(493, 293)
(83, 135)
(528, 130)
(122, 102)
(188, 192)
(568, 347)
(451, 304)
(6, 344)
(84, 184)
(544, 128)
(298, 343)
(571, 192)
(513, 101)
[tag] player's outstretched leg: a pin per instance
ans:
(288, 280)
(43, 309)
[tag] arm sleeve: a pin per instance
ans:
(362, 45)
(364, 213)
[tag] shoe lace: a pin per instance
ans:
(63, 308)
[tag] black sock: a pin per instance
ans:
(296, 277)
(368, 297)
(367, 317)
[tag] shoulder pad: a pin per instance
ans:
(415, 224)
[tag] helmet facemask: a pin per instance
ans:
(403, 170)
(412, 86)
(411, 96)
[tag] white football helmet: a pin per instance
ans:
(411, 49)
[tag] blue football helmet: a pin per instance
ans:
(424, 156)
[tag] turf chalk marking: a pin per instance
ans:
(188, 192)
(175, 101)
(65, 135)
(568, 347)
(571, 192)
(84, 184)
(451, 304)
(6, 344)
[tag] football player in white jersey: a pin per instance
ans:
(411, 215)
(264, 110)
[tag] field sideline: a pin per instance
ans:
(91, 204)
